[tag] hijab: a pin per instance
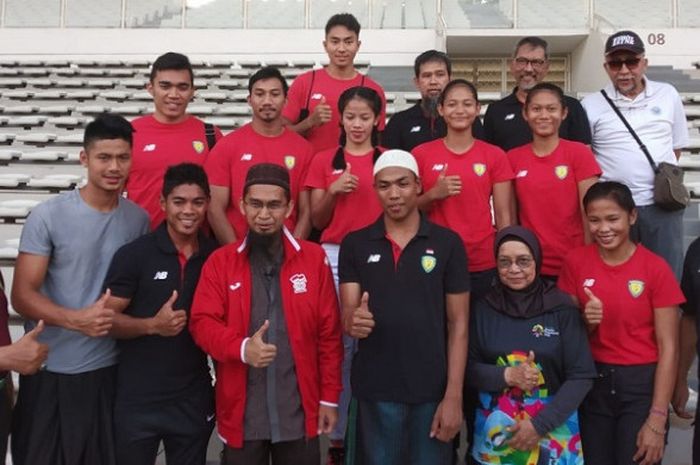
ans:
(540, 296)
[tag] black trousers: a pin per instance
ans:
(184, 426)
(299, 452)
(614, 411)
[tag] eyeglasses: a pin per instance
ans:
(522, 62)
(273, 206)
(631, 63)
(521, 263)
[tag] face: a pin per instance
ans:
(626, 72)
(267, 99)
(459, 108)
(544, 113)
(398, 190)
(358, 120)
(107, 162)
(172, 91)
(341, 45)
(185, 209)
(516, 265)
(432, 78)
(609, 223)
(265, 208)
(529, 66)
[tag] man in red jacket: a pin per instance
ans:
(266, 310)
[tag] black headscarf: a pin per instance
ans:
(539, 297)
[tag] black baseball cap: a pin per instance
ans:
(624, 40)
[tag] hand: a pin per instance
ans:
(524, 376)
(28, 354)
(257, 352)
(327, 418)
(95, 320)
(321, 113)
(680, 399)
(362, 319)
(168, 322)
(650, 446)
(525, 436)
(447, 419)
(593, 311)
(345, 184)
(446, 186)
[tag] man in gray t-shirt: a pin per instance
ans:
(65, 411)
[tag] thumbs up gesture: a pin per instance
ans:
(94, 320)
(346, 182)
(362, 319)
(257, 352)
(321, 113)
(593, 311)
(446, 186)
(28, 354)
(168, 322)
(525, 375)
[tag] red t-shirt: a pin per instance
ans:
(469, 213)
(327, 135)
(354, 210)
(156, 146)
(544, 185)
(230, 160)
(629, 292)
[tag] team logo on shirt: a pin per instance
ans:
(415, 129)
(160, 275)
(289, 161)
(479, 169)
(438, 167)
(316, 96)
(246, 157)
(636, 287)
(298, 283)
(656, 110)
(374, 258)
(149, 147)
(198, 146)
(509, 117)
(589, 282)
(428, 263)
(561, 171)
(521, 174)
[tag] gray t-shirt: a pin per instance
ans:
(80, 241)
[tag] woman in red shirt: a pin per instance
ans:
(630, 299)
(343, 200)
(552, 175)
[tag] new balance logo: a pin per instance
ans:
(521, 174)
(160, 275)
(374, 258)
(438, 167)
(316, 96)
(246, 157)
(509, 116)
(149, 147)
(415, 129)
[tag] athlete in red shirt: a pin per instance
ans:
(313, 96)
(167, 137)
(552, 175)
(264, 139)
(630, 301)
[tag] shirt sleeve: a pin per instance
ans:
(502, 171)
(217, 166)
(456, 271)
(567, 278)
(681, 138)
(665, 291)
(316, 177)
(577, 358)
(585, 164)
(347, 268)
(578, 127)
(296, 99)
(36, 237)
(690, 268)
(123, 274)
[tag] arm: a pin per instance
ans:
(167, 322)
(445, 186)
(302, 229)
(322, 205)
(321, 114)
(677, 153)
(216, 215)
(688, 341)
(503, 201)
(583, 187)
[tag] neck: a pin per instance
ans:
(346, 72)
(268, 128)
(619, 255)
(186, 244)
(543, 146)
(631, 94)
(403, 230)
(459, 141)
(100, 200)
(163, 120)
(429, 107)
(358, 149)
(521, 95)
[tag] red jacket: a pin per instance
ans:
(220, 318)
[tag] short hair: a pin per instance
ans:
(185, 173)
(268, 72)
(455, 83)
(546, 87)
(534, 42)
(107, 126)
(171, 61)
(430, 56)
(346, 20)
(612, 190)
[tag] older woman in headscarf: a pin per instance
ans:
(529, 358)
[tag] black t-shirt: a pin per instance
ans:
(156, 368)
(410, 128)
(404, 359)
(505, 127)
(690, 284)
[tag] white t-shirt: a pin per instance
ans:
(657, 117)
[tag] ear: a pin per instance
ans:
(420, 185)
(241, 206)
(415, 82)
(290, 209)
(83, 158)
(162, 202)
(565, 113)
(633, 217)
(149, 88)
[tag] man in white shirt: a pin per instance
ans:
(655, 112)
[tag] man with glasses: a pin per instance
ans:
(504, 124)
(655, 112)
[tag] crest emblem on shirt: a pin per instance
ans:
(298, 283)
(636, 287)
(198, 146)
(561, 171)
(428, 263)
(479, 169)
(289, 161)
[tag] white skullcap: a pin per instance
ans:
(396, 158)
